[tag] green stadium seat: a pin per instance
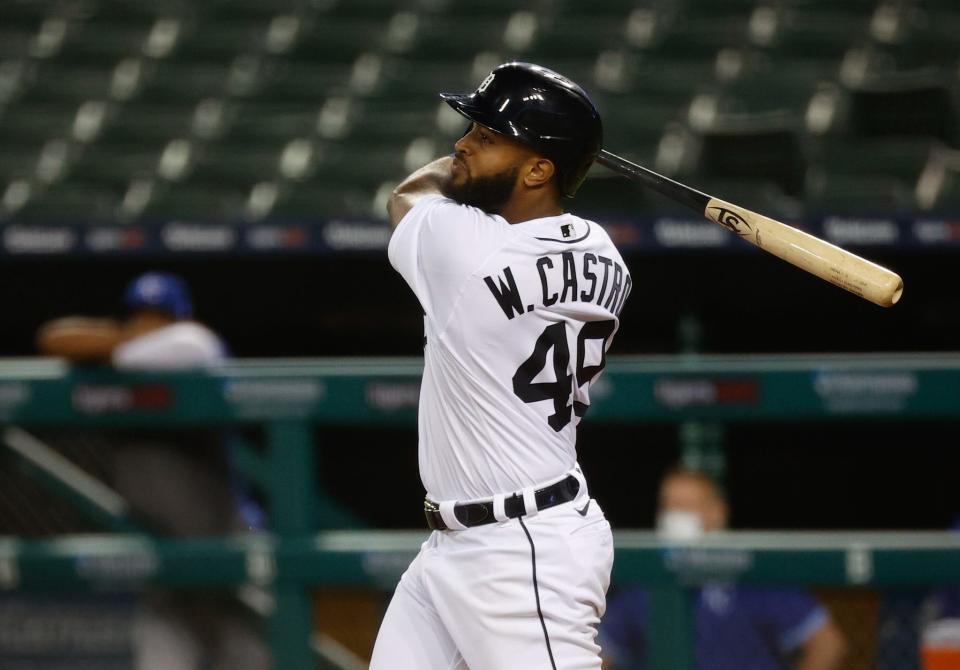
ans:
(905, 105)
(217, 42)
(314, 200)
(14, 42)
(336, 10)
(62, 82)
(98, 43)
(342, 163)
(830, 193)
(115, 164)
(577, 37)
(18, 162)
(176, 83)
(23, 15)
(605, 193)
(215, 11)
(467, 10)
(785, 91)
(635, 124)
(440, 38)
(31, 124)
(323, 40)
(755, 147)
(137, 12)
(376, 120)
(404, 79)
(71, 202)
(689, 37)
(138, 121)
(260, 122)
(900, 157)
(197, 202)
(938, 187)
(281, 81)
(240, 165)
(823, 29)
(643, 78)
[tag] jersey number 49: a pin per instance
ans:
(555, 337)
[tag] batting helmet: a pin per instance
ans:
(545, 110)
(160, 291)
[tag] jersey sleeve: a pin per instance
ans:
(179, 347)
(438, 245)
(793, 614)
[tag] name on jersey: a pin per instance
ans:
(567, 277)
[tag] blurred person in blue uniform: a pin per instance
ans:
(179, 482)
(737, 627)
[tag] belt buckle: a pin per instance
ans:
(431, 511)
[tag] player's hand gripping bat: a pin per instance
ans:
(838, 266)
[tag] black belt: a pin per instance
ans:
(481, 513)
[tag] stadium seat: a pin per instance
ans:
(259, 122)
(938, 186)
(216, 42)
(825, 29)
(14, 42)
(70, 202)
(316, 200)
(440, 38)
(18, 162)
(65, 83)
(860, 195)
(577, 37)
(277, 80)
(116, 164)
(138, 121)
(239, 165)
(323, 40)
(100, 43)
(900, 157)
(32, 123)
(170, 82)
(905, 105)
(193, 202)
(754, 148)
(633, 124)
(374, 121)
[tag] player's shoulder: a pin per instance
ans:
(574, 231)
(190, 332)
(441, 209)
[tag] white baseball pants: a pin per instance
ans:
(521, 594)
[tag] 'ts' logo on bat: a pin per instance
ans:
(732, 221)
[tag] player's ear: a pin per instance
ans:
(538, 172)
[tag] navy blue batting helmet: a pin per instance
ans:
(541, 108)
(160, 291)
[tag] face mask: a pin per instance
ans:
(679, 525)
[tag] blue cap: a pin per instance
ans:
(160, 291)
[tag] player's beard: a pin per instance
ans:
(487, 193)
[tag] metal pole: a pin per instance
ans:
(291, 498)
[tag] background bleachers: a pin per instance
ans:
(832, 104)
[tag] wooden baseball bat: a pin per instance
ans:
(818, 257)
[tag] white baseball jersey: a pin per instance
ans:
(179, 346)
(518, 319)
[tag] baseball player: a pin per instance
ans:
(521, 303)
(181, 483)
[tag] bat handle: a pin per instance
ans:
(665, 186)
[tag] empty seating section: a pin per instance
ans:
(244, 110)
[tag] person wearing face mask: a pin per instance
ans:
(738, 627)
